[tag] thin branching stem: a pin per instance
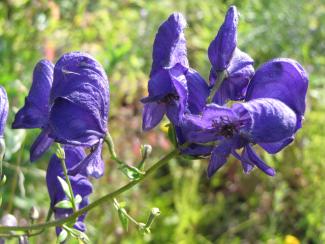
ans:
(104, 199)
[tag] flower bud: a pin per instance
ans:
(146, 150)
(33, 213)
(8, 220)
(60, 153)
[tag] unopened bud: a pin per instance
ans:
(60, 152)
(146, 151)
(8, 220)
(155, 211)
(33, 213)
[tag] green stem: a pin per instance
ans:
(109, 141)
(65, 171)
(2, 153)
(29, 234)
(221, 75)
(98, 202)
(126, 213)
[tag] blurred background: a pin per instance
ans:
(229, 208)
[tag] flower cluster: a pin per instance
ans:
(69, 102)
(269, 103)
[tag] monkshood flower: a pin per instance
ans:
(79, 106)
(4, 107)
(35, 112)
(231, 68)
(270, 116)
(174, 88)
(79, 182)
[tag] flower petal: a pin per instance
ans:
(219, 157)
(253, 158)
(4, 108)
(176, 108)
(40, 145)
(246, 164)
(73, 124)
(275, 147)
(94, 162)
(191, 149)
(34, 114)
(169, 47)
(152, 115)
(198, 91)
(80, 83)
(271, 120)
(201, 128)
(222, 47)
(29, 117)
(282, 79)
(239, 73)
(160, 85)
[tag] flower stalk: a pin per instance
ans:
(221, 75)
(109, 197)
(61, 155)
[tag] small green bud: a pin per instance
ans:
(60, 152)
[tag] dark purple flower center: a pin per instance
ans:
(225, 127)
(169, 98)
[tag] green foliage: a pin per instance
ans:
(229, 208)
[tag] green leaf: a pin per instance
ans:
(123, 218)
(64, 204)
(131, 172)
(62, 237)
(65, 187)
(77, 234)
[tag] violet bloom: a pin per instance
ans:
(35, 112)
(231, 68)
(79, 182)
(174, 88)
(4, 107)
(270, 117)
(79, 106)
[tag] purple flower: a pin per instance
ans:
(35, 112)
(174, 88)
(4, 107)
(169, 47)
(79, 100)
(80, 184)
(79, 106)
(231, 68)
(270, 117)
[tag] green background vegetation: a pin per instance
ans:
(229, 208)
